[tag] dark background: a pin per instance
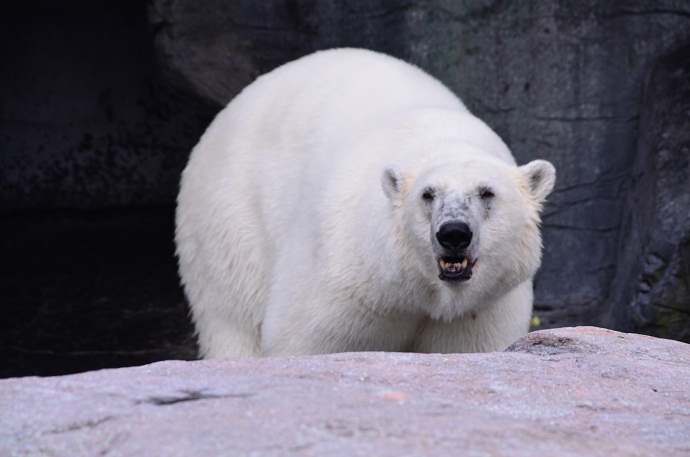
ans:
(101, 103)
(92, 143)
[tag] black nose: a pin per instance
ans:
(454, 235)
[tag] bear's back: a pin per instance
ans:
(335, 93)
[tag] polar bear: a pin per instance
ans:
(348, 201)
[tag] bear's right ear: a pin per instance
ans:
(541, 177)
(391, 181)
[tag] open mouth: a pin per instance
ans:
(455, 268)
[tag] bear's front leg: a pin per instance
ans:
(334, 325)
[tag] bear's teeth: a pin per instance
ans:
(453, 266)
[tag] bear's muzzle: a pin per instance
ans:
(455, 265)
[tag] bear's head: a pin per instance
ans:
(471, 223)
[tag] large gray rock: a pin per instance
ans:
(557, 79)
(565, 392)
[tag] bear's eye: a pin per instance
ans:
(428, 195)
(485, 193)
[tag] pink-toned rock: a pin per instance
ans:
(563, 392)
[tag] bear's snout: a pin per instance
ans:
(454, 236)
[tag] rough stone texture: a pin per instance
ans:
(653, 280)
(565, 392)
(557, 79)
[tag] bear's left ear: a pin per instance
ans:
(391, 181)
(540, 176)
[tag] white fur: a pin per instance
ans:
(288, 244)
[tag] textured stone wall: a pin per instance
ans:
(653, 274)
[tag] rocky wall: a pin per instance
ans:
(653, 275)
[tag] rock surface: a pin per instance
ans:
(565, 392)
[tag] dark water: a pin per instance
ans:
(86, 290)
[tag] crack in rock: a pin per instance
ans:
(86, 424)
(189, 395)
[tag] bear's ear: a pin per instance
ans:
(540, 176)
(391, 181)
